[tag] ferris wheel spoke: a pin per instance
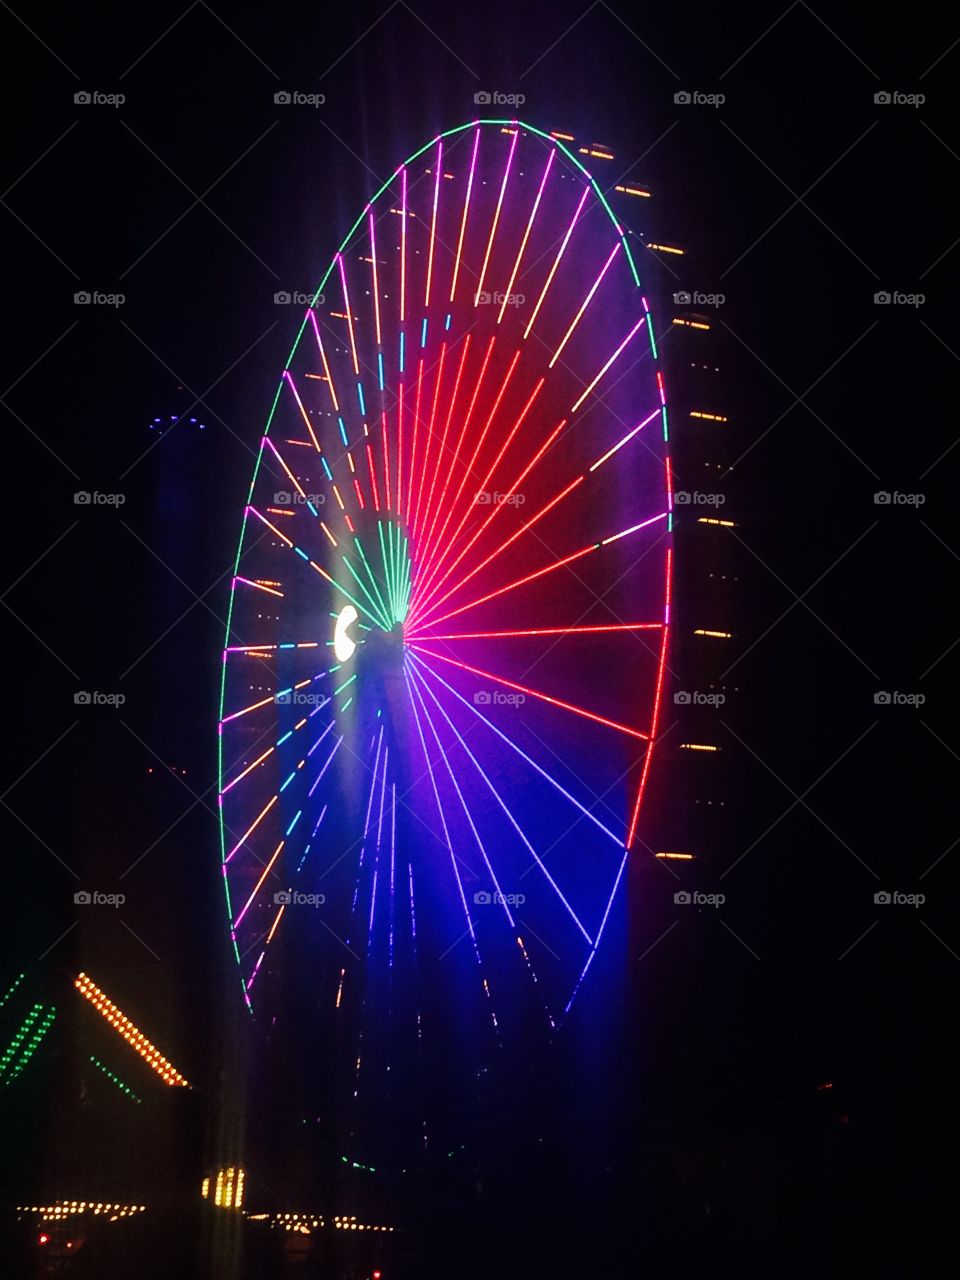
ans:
(260, 586)
(603, 925)
(500, 801)
(496, 216)
(454, 459)
(533, 693)
(463, 219)
(547, 631)
(446, 833)
(288, 377)
(495, 508)
(466, 809)
(508, 292)
(556, 262)
(438, 174)
(583, 306)
(416, 510)
(552, 567)
(442, 451)
(259, 885)
(617, 840)
(470, 471)
(616, 355)
(403, 245)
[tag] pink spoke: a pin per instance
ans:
(534, 693)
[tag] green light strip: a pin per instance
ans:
(115, 1079)
(384, 611)
(25, 1042)
(20, 977)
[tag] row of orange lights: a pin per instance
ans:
(134, 1037)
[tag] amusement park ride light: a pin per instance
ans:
(343, 646)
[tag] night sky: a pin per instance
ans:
(799, 198)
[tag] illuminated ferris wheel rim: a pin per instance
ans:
(349, 616)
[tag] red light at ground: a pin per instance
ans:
(44, 1239)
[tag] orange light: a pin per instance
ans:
(134, 1037)
(708, 417)
(716, 635)
(676, 857)
(665, 248)
(633, 191)
(697, 746)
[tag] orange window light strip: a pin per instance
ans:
(121, 1023)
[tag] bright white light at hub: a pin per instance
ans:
(343, 646)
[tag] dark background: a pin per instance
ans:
(799, 198)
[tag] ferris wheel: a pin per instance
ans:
(449, 617)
